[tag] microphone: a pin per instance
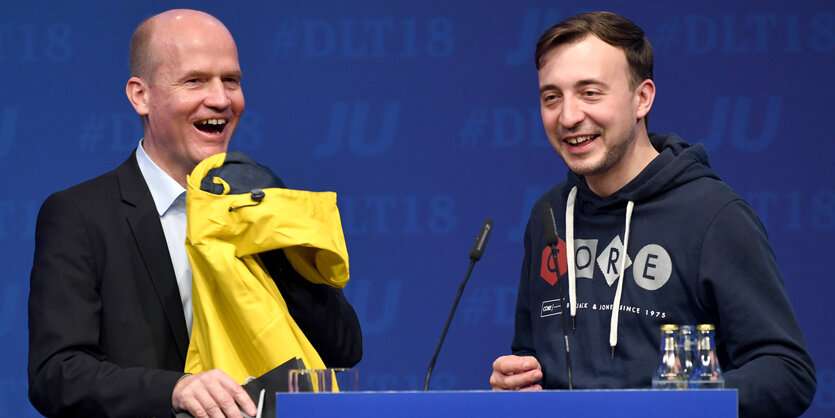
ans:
(551, 238)
(475, 255)
(481, 240)
(550, 225)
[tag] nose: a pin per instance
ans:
(571, 113)
(216, 95)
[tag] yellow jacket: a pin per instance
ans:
(241, 322)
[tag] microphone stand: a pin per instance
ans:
(475, 255)
(446, 327)
(562, 317)
(551, 239)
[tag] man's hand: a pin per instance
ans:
(211, 394)
(516, 373)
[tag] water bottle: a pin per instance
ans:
(687, 347)
(669, 374)
(707, 374)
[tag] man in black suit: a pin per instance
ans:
(110, 300)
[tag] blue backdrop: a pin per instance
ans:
(424, 118)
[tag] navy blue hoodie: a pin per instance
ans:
(695, 253)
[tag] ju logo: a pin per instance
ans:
(349, 124)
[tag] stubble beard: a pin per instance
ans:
(613, 155)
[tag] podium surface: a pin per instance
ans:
(585, 403)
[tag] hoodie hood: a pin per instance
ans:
(677, 163)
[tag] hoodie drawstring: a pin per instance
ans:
(572, 274)
(613, 327)
(569, 249)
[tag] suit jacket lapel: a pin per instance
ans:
(145, 226)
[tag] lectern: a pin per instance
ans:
(577, 403)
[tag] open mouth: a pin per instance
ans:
(211, 126)
(578, 140)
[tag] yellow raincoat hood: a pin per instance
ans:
(241, 321)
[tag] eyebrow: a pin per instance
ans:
(579, 84)
(547, 87)
(191, 74)
(236, 73)
(589, 82)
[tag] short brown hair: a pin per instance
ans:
(610, 28)
(142, 61)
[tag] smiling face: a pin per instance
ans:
(591, 113)
(192, 101)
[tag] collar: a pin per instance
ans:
(164, 189)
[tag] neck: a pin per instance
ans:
(166, 164)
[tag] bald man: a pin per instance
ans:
(110, 309)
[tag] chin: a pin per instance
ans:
(208, 152)
(585, 168)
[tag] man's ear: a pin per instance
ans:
(645, 97)
(137, 91)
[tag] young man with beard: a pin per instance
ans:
(651, 236)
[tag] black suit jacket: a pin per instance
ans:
(107, 335)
